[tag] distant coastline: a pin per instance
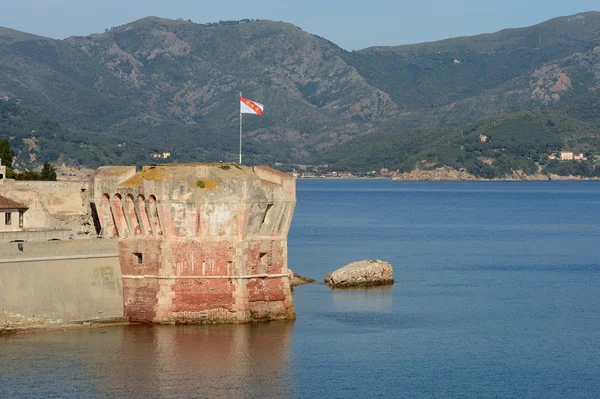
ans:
(449, 179)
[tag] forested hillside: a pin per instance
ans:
(172, 86)
(36, 139)
(491, 148)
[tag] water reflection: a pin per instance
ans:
(217, 361)
(220, 361)
(372, 299)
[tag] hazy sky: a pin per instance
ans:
(352, 24)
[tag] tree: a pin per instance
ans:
(6, 153)
(48, 172)
(27, 175)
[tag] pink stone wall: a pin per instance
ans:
(191, 255)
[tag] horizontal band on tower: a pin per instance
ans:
(244, 277)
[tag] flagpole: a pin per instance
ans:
(240, 129)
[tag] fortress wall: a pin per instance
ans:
(56, 196)
(60, 204)
(55, 282)
(199, 242)
(183, 243)
(38, 235)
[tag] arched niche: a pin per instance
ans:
(109, 228)
(120, 219)
(154, 215)
(142, 213)
(132, 217)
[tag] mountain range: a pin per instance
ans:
(159, 85)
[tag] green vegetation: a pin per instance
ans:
(166, 90)
(201, 184)
(31, 175)
(572, 168)
(446, 71)
(492, 148)
(6, 153)
(35, 140)
(48, 172)
(159, 85)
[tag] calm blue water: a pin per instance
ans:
(496, 296)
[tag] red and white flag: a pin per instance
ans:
(250, 107)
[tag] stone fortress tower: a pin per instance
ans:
(199, 242)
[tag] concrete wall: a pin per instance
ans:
(54, 282)
(35, 235)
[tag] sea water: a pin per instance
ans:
(496, 295)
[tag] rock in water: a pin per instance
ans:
(361, 274)
(296, 279)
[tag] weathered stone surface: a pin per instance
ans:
(362, 273)
(439, 174)
(296, 279)
(181, 243)
(59, 282)
(447, 173)
(53, 204)
(199, 243)
(553, 176)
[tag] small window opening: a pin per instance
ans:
(20, 219)
(267, 215)
(7, 219)
(264, 263)
(138, 258)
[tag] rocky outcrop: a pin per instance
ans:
(553, 176)
(361, 274)
(439, 174)
(446, 173)
(296, 279)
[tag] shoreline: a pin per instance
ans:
(547, 179)
(43, 328)
(446, 173)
